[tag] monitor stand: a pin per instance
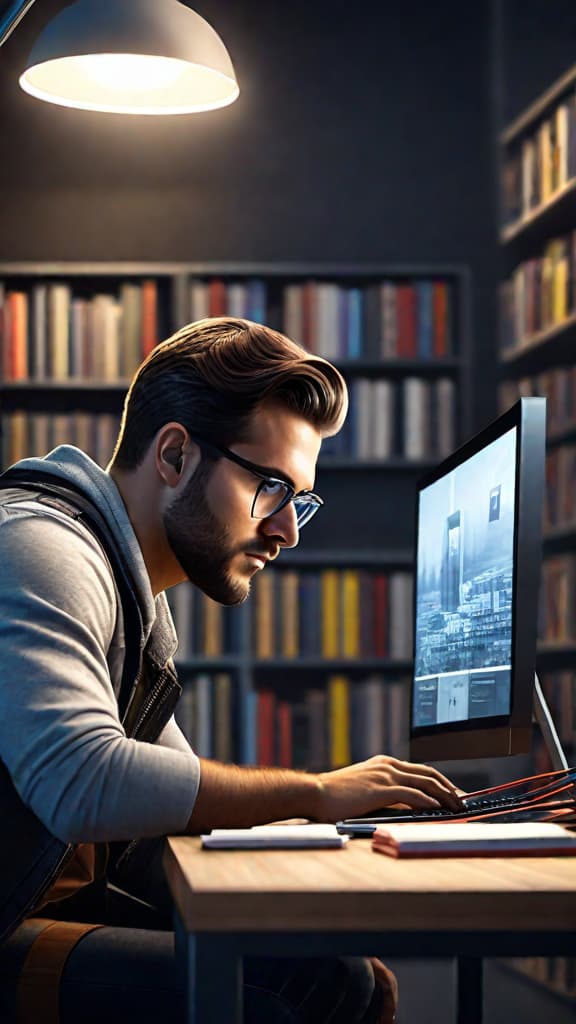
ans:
(542, 715)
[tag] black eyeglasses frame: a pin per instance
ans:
(313, 501)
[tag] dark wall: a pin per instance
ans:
(362, 133)
(538, 44)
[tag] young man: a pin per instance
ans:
(212, 475)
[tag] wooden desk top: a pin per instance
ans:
(356, 889)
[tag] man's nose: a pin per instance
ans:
(283, 526)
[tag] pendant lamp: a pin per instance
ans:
(131, 57)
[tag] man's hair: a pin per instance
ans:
(212, 374)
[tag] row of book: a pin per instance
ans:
(412, 418)
(560, 492)
(557, 386)
(205, 627)
(542, 164)
(53, 331)
(34, 434)
(391, 319)
(337, 721)
(540, 294)
(557, 611)
(50, 333)
(330, 613)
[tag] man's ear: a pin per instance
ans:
(172, 444)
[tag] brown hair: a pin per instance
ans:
(212, 374)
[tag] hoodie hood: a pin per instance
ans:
(74, 465)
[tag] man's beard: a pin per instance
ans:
(201, 544)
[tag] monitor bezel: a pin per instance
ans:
(503, 734)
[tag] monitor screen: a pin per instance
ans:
(478, 553)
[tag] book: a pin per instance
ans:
(463, 839)
(279, 837)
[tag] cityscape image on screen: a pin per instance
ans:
(464, 578)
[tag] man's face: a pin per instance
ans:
(209, 527)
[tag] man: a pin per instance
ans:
(212, 476)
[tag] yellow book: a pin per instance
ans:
(289, 608)
(330, 586)
(350, 613)
(545, 149)
(264, 615)
(211, 628)
(339, 719)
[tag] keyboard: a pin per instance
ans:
(525, 799)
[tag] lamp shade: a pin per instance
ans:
(131, 57)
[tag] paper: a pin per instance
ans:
(274, 837)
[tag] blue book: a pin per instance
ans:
(354, 332)
(257, 301)
(249, 702)
(424, 314)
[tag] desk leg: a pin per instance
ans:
(214, 977)
(469, 990)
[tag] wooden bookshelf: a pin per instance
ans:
(537, 150)
(384, 486)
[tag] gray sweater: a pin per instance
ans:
(61, 656)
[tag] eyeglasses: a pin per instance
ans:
(272, 493)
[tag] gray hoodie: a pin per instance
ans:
(61, 656)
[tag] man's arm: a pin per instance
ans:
(238, 797)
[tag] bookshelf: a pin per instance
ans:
(538, 336)
(253, 689)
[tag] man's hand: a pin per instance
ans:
(380, 782)
(235, 797)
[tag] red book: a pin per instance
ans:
(15, 353)
(406, 307)
(217, 297)
(149, 317)
(284, 720)
(380, 615)
(265, 745)
(440, 323)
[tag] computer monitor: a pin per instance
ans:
(478, 557)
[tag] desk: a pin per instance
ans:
(352, 901)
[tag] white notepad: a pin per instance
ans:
(283, 837)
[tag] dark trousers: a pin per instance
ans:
(127, 971)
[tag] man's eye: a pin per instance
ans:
(273, 487)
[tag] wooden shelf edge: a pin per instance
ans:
(533, 113)
(513, 231)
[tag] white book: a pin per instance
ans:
(461, 838)
(199, 300)
(416, 418)
(363, 391)
(277, 837)
(383, 418)
(293, 325)
(326, 320)
(237, 299)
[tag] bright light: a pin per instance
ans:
(129, 84)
